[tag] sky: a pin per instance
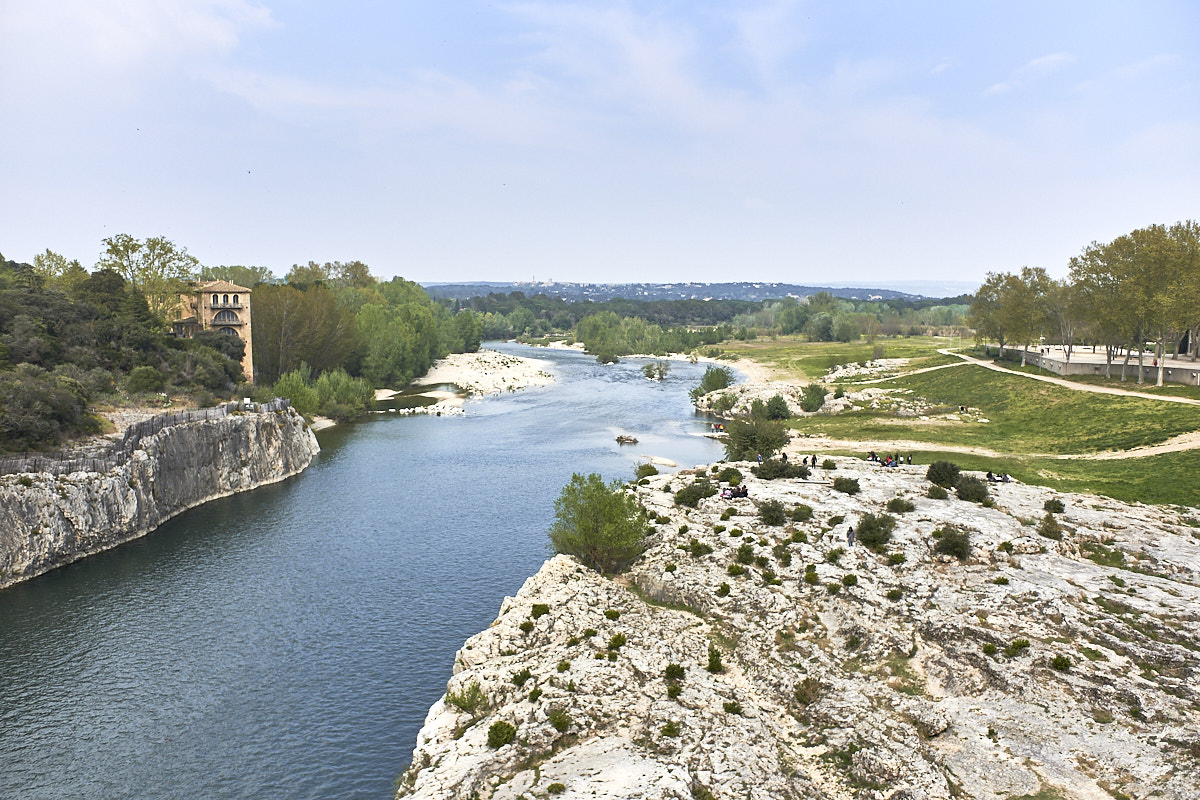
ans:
(803, 142)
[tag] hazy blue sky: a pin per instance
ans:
(600, 141)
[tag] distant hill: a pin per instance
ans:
(661, 291)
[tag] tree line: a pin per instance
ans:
(1138, 293)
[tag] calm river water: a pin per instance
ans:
(287, 642)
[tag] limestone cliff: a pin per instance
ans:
(1058, 659)
(47, 521)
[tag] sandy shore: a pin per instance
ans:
(488, 372)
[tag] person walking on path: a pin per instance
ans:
(850, 536)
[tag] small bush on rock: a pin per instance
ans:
(772, 513)
(539, 610)
(1054, 506)
(900, 505)
(469, 699)
(895, 594)
(723, 590)
(1050, 528)
(558, 718)
(937, 492)
(775, 469)
(698, 548)
(730, 475)
(943, 473)
(519, 678)
(953, 542)
(875, 531)
(802, 513)
(714, 660)
(693, 493)
(500, 734)
(732, 707)
(846, 485)
(556, 788)
(972, 489)
(1061, 663)
(828, 464)
(645, 471)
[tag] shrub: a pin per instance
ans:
(693, 493)
(715, 378)
(145, 379)
(539, 610)
(900, 505)
(731, 475)
(1005, 547)
(558, 718)
(600, 524)
(674, 690)
(589, 632)
(1054, 506)
(777, 408)
(808, 691)
(556, 788)
(698, 548)
(989, 649)
(953, 542)
(812, 397)
(534, 695)
(895, 594)
(617, 641)
(1061, 663)
(1017, 647)
(834, 555)
(828, 464)
(802, 513)
(745, 554)
(563, 666)
(612, 613)
(799, 536)
(527, 626)
(470, 699)
(747, 438)
(943, 473)
(937, 492)
(875, 531)
(771, 512)
(723, 590)
(776, 469)
(849, 580)
(672, 729)
(734, 570)
(674, 672)
(669, 568)
(972, 489)
(520, 678)
(683, 529)
(724, 403)
(732, 707)
(500, 734)
(896, 559)
(1001, 581)
(714, 660)
(645, 471)
(1049, 527)
(846, 485)
(833, 588)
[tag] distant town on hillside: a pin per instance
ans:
(743, 290)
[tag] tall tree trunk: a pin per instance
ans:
(1125, 363)
(1108, 354)
(1161, 349)
(1141, 363)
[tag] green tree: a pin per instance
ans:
(600, 524)
(293, 326)
(242, 276)
(156, 267)
(748, 438)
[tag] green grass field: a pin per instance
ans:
(1028, 421)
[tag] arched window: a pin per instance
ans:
(225, 299)
(235, 299)
(226, 316)
(229, 331)
(216, 300)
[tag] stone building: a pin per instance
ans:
(221, 306)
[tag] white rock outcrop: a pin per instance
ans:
(47, 521)
(1038, 667)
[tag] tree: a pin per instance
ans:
(293, 327)
(747, 439)
(600, 524)
(156, 267)
(242, 276)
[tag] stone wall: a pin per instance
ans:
(47, 521)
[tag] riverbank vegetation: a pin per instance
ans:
(600, 524)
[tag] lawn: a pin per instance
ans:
(1023, 416)
(796, 356)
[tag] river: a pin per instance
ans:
(287, 642)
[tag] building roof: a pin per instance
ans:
(221, 286)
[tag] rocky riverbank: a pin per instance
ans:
(47, 521)
(741, 659)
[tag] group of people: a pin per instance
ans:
(889, 460)
(1003, 478)
(730, 492)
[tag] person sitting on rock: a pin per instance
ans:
(991, 478)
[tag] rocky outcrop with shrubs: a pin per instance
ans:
(953, 651)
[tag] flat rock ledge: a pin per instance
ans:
(1038, 668)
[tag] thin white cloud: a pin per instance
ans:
(1031, 72)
